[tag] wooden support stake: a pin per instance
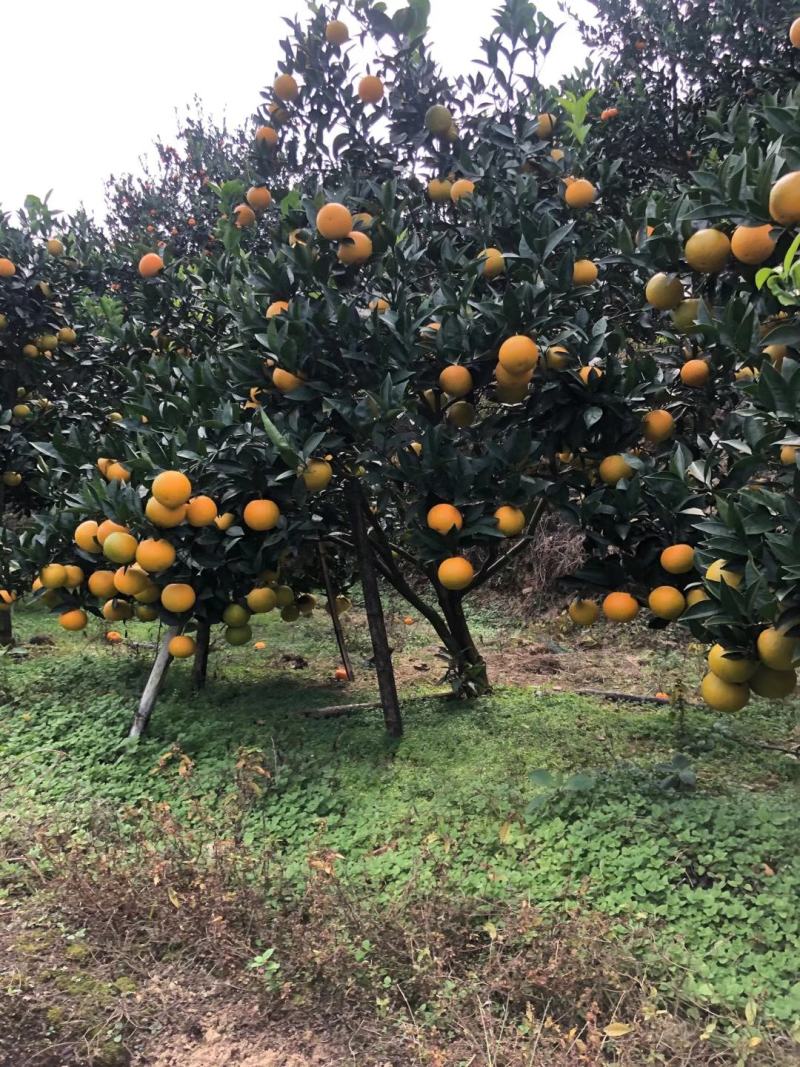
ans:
(151, 689)
(337, 622)
(200, 665)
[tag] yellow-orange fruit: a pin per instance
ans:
(695, 373)
(503, 377)
(201, 511)
(171, 488)
(7, 267)
(707, 250)
(130, 580)
(492, 262)
(620, 607)
(334, 222)
(455, 380)
(455, 573)
(439, 190)
(181, 646)
(443, 517)
(261, 515)
(76, 619)
(336, 32)
(776, 650)
(12, 479)
(723, 696)
(67, 336)
(101, 584)
(613, 469)
(513, 392)
(261, 600)
(658, 426)
(225, 521)
(583, 612)
(461, 414)
(557, 357)
(664, 291)
(277, 307)
(113, 637)
(518, 354)
(155, 554)
(284, 381)
(719, 571)
(115, 472)
(163, 516)
(461, 188)
(666, 602)
(784, 199)
(733, 669)
(266, 135)
(286, 88)
(379, 304)
(788, 455)
(75, 576)
(85, 536)
(151, 594)
(243, 216)
(584, 272)
(545, 124)
(258, 197)
(116, 610)
(753, 244)
(150, 265)
(510, 520)
(580, 193)
(370, 89)
(120, 547)
(677, 559)
(684, 317)
(53, 576)
(145, 612)
(695, 596)
(317, 475)
(355, 249)
(557, 154)
(587, 374)
(178, 597)
(772, 684)
(794, 33)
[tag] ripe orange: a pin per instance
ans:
(666, 602)
(379, 304)
(613, 469)
(336, 32)
(794, 33)
(201, 511)
(664, 291)
(261, 600)
(284, 381)
(31, 351)
(266, 135)
(584, 272)
(677, 559)
(583, 612)
(609, 113)
(557, 154)
(620, 607)
(181, 646)
(66, 336)
(461, 188)
(261, 515)
(684, 317)
(85, 536)
(75, 576)
(455, 573)
(53, 576)
(155, 555)
(370, 89)
(7, 268)
(788, 455)
(776, 354)
(696, 595)
(439, 190)
(340, 674)
(580, 193)
(243, 216)
(511, 381)
(518, 354)
(334, 222)
(286, 88)
(443, 517)
(145, 612)
(776, 650)
(76, 619)
(317, 475)
(753, 244)
(774, 685)
(171, 488)
(130, 580)
(115, 472)
(545, 124)
(556, 357)
(658, 426)
(492, 262)
(695, 373)
(258, 197)
(277, 307)
(455, 380)
(720, 571)
(723, 696)
(510, 520)
(101, 584)
(113, 637)
(178, 597)
(784, 199)
(735, 669)
(150, 265)
(120, 547)
(355, 249)
(151, 594)
(707, 250)
(115, 610)
(225, 521)
(162, 516)
(259, 646)
(587, 374)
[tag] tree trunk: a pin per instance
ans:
(470, 666)
(382, 654)
(151, 689)
(6, 631)
(200, 665)
(330, 592)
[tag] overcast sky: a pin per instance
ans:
(90, 83)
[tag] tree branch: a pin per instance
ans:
(491, 568)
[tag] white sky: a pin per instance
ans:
(91, 100)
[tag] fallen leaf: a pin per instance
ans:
(617, 1029)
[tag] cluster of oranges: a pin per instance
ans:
(456, 572)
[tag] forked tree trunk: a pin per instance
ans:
(200, 665)
(471, 666)
(382, 654)
(151, 689)
(330, 592)
(6, 628)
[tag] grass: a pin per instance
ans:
(690, 869)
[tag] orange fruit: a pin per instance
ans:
(259, 646)
(511, 381)
(784, 199)
(613, 469)
(587, 374)
(584, 272)
(788, 455)
(492, 262)
(66, 336)
(753, 244)
(317, 475)
(201, 511)
(85, 536)
(510, 520)
(120, 547)
(150, 265)
(53, 576)
(336, 32)
(76, 619)
(181, 646)
(340, 674)
(130, 580)
(355, 249)
(684, 317)
(443, 517)
(455, 380)
(735, 669)
(113, 637)
(115, 610)
(518, 354)
(284, 381)
(620, 607)
(439, 190)
(677, 559)
(379, 304)
(277, 307)
(334, 222)
(261, 515)
(609, 113)
(225, 521)
(723, 696)
(266, 135)
(7, 268)
(664, 291)
(695, 373)
(162, 516)
(261, 600)
(580, 193)
(658, 426)
(101, 584)
(171, 488)
(286, 88)
(666, 602)
(794, 33)
(258, 197)
(178, 597)
(556, 357)
(455, 573)
(774, 685)
(776, 650)
(115, 472)
(151, 594)
(461, 188)
(695, 596)
(461, 414)
(707, 250)
(145, 612)
(720, 571)
(370, 89)
(243, 216)
(545, 124)
(583, 612)
(154, 555)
